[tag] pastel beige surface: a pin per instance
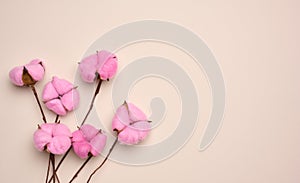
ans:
(256, 44)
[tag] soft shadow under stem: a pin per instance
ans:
(110, 150)
(39, 103)
(93, 100)
(82, 123)
(82, 166)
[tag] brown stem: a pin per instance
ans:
(60, 162)
(110, 150)
(48, 169)
(93, 100)
(39, 103)
(57, 178)
(82, 166)
(63, 158)
(45, 121)
(54, 175)
(82, 123)
(53, 166)
(56, 118)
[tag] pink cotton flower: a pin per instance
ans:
(53, 137)
(131, 124)
(28, 74)
(103, 64)
(87, 139)
(60, 96)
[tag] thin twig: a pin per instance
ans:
(60, 162)
(39, 103)
(82, 166)
(57, 177)
(45, 121)
(82, 123)
(54, 175)
(110, 150)
(56, 118)
(53, 166)
(93, 100)
(48, 169)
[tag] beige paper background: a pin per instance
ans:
(255, 42)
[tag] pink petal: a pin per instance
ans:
(142, 128)
(89, 132)
(97, 144)
(136, 127)
(59, 145)
(47, 127)
(61, 130)
(82, 149)
(56, 106)
(77, 136)
(121, 118)
(129, 136)
(88, 67)
(102, 57)
(36, 61)
(41, 139)
(103, 62)
(49, 92)
(70, 100)
(15, 75)
(135, 113)
(117, 124)
(36, 71)
(109, 65)
(62, 86)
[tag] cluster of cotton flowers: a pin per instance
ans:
(61, 96)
